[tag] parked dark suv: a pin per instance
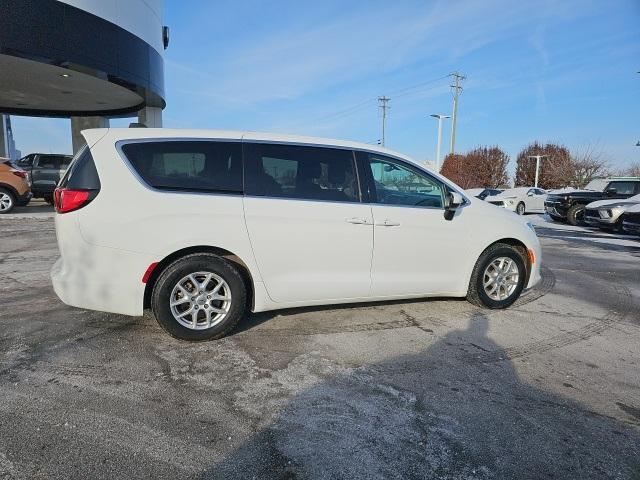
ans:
(45, 171)
(570, 206)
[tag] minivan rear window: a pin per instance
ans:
(199, 166)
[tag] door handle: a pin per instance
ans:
(388, 223)
(358, 221)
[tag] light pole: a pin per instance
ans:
(537, 157)
(439, 117)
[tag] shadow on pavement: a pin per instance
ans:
(442, 413)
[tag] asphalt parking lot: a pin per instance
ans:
(549, 388)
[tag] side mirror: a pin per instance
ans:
(452, 201)
(610, 191)
(530, 194)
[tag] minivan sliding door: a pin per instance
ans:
(311, 235)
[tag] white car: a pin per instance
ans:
(521, 200)
(607, 214)
(205, 226)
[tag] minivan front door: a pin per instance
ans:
(311, 235)
(417, 250)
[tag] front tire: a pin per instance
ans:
(575, 215)
(199, 297)
(498, 277)
(7, 201)
(520, 209)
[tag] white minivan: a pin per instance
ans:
(204, 226)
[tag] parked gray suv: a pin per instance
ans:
(45, 171)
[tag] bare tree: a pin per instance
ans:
(456, 169)
(489, 165)
(556, 168)
(633, 170)
(484, 167)
(587, 165)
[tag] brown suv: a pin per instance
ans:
(14, 186)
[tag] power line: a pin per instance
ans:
(347, 111)
(366, 103)
(407, 90)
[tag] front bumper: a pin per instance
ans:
(595, 218)
(631, 224)
(556, 209)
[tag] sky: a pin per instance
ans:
(551, 71)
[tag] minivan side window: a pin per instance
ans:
(199, 166)
(399, 184)
(301, 172)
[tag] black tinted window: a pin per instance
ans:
(188, 165)
(25, 161)
(81, 174)
(309, 173)
(624, 188)
(48, 161)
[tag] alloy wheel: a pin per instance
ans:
(6, 202)
(500, 278)
(200, 300)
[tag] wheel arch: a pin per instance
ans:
(520, 246)
(11, 189)
(247, 277)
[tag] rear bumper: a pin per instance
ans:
(23, 199)
(104, 279)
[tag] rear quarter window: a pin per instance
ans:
(199, 166)
(81, 174)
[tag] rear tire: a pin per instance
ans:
(7, 201)
(575, 215)
(481, 295)
(188, 317)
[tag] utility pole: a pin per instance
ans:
(537, 157)
(454, 116)
(440, 118)
(384, 105)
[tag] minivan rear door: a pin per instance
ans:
(311, 234)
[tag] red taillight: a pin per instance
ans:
(68, 200)
(19, 173)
